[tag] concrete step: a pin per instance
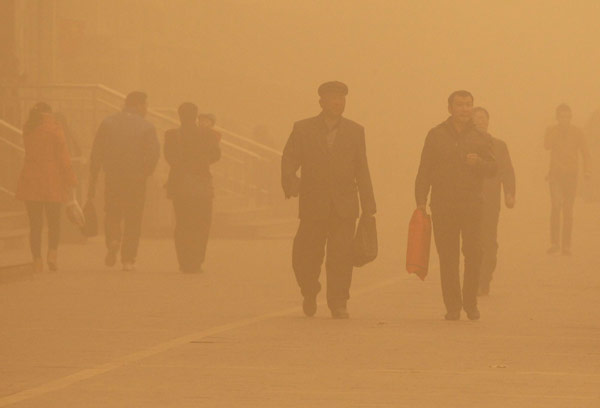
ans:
(13, 238)
(258, 228)
(15, 265)
(10, 220)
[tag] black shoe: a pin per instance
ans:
(452, 315)
(309, 306)
(473, 314)
(340, 313)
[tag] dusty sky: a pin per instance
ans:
(402, 59)
(260, 62)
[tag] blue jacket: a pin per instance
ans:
(126, 148)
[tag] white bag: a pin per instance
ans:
(74, 212)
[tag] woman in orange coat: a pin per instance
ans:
(47, 180)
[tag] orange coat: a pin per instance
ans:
(47, 174)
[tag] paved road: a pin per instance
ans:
(235, 336)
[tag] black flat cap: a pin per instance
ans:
(333, 87)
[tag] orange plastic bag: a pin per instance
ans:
(419, 244)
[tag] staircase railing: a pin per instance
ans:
(239, 176)
(12, 154)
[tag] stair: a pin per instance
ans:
(15, 265)
(259, 223)
(15, 259)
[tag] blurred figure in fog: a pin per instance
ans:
(207, 120)
(46, 181)
(492, 198)
(190, 150)
(330, 152)
(127, 148)
(455, 160)
(565, 142)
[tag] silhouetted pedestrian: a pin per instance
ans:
(331, 154)
(565, 142)
(455, 160)
(190, 150)
(127, 148)
(492, 198)
(46, 181)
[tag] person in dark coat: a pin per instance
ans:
(126, 148)
(566, 143)
(331, 154)
(454, 162)
(46, 181)
(492, 198)
(190, 150)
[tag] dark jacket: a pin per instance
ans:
(332, 179)
(504, 177)
(190, 151)
(444, 170)
(126, 147)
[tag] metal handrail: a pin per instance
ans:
(8, 142)
(244, 155)
(10, 127)
(172, 121)
(249, 141)
(5, 191)
(242, 138)
(156, 114)
(13, 145)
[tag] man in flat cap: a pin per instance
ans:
(330, 151)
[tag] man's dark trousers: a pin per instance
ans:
(563, 190)
(449, 224)
(193, 216)
(314, 235)
(124, 207)
(489, 244)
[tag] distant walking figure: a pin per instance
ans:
(565, 142)
(127, 148)
(492, 199)
(455, 160)
(190, 150)
(46, 181)
(331, 154)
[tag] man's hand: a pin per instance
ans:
(293, 190)
(509, 200)
(473, 159)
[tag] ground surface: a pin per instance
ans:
(235, 335)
